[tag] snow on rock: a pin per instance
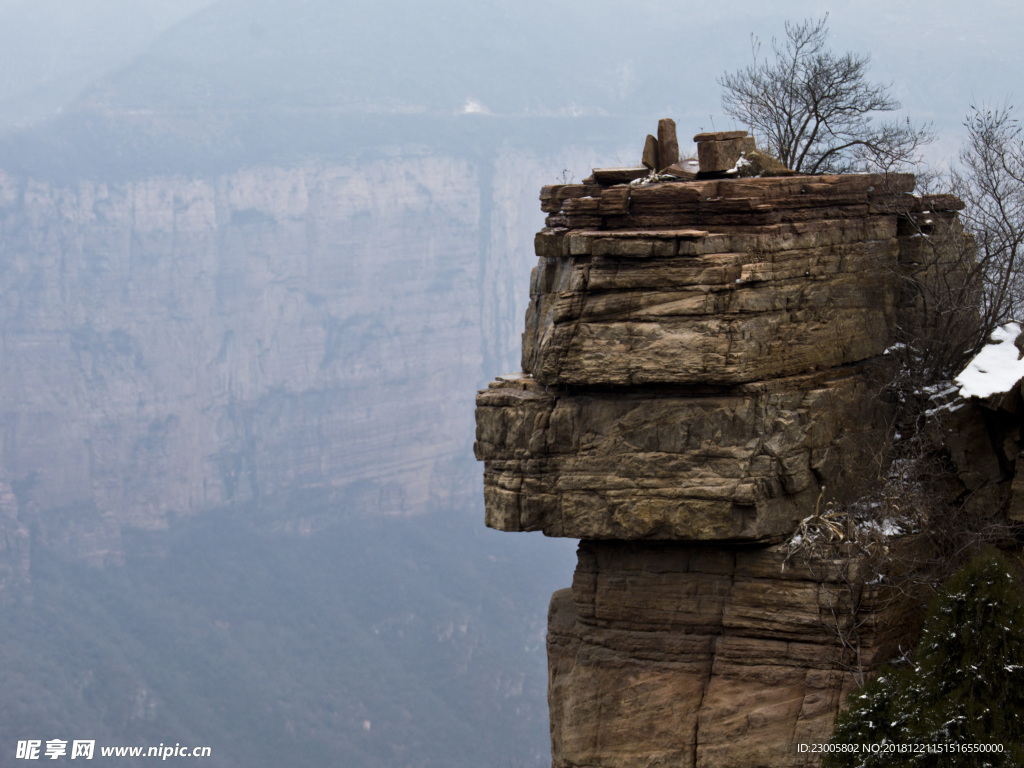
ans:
(996, 368)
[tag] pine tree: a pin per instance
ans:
(965, 685)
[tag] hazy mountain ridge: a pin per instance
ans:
(371, 643)
(204, 58)
(53, 49)
(397, 58)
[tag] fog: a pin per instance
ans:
(256, 258)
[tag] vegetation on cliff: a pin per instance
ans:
(963, 685)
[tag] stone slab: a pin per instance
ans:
(618, 175)
(668, 144)
(719, 136)
(650, 157)
(720, 156)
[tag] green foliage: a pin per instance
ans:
(965, 685)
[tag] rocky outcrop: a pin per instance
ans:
(678, 654)
(717, 152)
(979, 421)
(716, 282)
(703, 378)
(700, 374)
(743, 463)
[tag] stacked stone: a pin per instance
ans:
(698, 366)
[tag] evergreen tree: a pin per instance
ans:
(965, 685)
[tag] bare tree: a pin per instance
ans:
(990, 181)
(813, 109)
(963, 273)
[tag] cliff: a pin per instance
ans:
(704, 363)
(697, 358)
(173, 344)
(176, 343)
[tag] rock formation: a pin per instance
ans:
(699, 376)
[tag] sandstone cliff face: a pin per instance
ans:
(734, 353)
(746, 463)
(700, 373)
(677, 654)
(176, 343)
(716, 282)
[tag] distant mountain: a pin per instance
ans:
(398, 57)
(213, 71)
(50, 50)
(246, 81)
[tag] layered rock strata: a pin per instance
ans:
(701, 378)
(675, 654)
(699, 375)
(715, 282)
(742, 463)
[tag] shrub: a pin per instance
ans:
(964, 684)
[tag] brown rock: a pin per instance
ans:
(742, 465)
(808, 280)
(721, 156)
(618, 175)
(732, 202)
(757, 163)
(615, 202)
(650, 158)
(673, 654)
(633, 307)
(685, 169)
(668, 145)
(719, 136)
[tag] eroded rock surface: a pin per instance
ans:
(743, 463)
(701, 371)
(697, 356)
(716, 282)
(673, 654)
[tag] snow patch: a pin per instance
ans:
(996, 368)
